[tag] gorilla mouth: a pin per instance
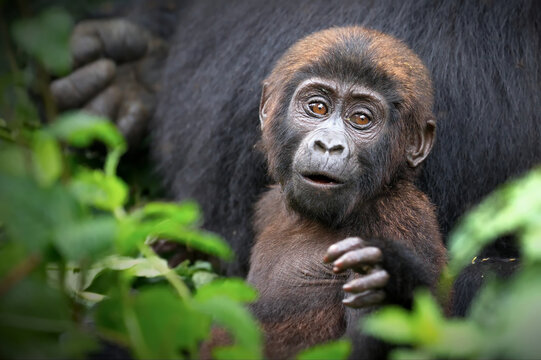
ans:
(322, 179)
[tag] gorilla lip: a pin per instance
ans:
(322, 179)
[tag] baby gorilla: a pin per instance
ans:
(346, 116)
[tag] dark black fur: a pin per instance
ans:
(484, 58)
(475, 275)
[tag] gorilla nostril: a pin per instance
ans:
(333, 149)
(320, 146)
(336, 149)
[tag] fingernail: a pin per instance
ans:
(336, 269)
(347, 287)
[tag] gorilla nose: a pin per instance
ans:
(332, 146)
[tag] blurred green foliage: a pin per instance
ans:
(76, 261)
(339, 349)
(74, 252)
(504, 320)
(48, 47)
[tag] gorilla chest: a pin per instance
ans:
(300, 298)
(289, 266)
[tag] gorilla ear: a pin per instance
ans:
(422, 144)
(263, 104)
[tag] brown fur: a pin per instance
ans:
(287, 263)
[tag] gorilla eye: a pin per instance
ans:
(318, 108)
(360, 119)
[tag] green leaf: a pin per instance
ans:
(87, 239)
(46, 37)
(201, 278)
(171, 222)
(81, 129)
(427, 329)
(47, 158)
(76, 279)
(32, 214)
(232, 352)
(334, 350)
(77, 344)
(11, 254)
(459, 339)
(206, 242)
(234, 289)
(14, 160)
(131, 233)
(200, 265)
(392, 324)
(237, 320)
(512, 208)
(531, 240)
(109, 316)
(169, 327)
(168, 324)
(32, 317)
(428, 318)
(141, 267)
(25, 112)
(508, 315)
(20, 301)
(134, 231)
(406, 354)
(185, 213)
(97, 189)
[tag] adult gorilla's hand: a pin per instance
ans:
(118, 73)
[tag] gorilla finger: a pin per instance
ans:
(132, 119)
(118, 39)
(357, 258)
(80, 86)
(105, 103)
(375, 280)
(85, 49)
(338, 249)
(123, 40)
(367, 298)
(85, 44)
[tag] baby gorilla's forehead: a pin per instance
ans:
(358, 56)
(339, 88)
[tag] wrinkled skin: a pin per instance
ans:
(117, 74)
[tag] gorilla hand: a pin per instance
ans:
(118, 73)
(369, 278)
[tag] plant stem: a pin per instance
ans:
(169, 274)
(46, 95)
(132, 324)
(112, 160)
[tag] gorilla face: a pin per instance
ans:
(343, 149)
(346, 114)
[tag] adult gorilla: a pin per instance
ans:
(483, 57)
